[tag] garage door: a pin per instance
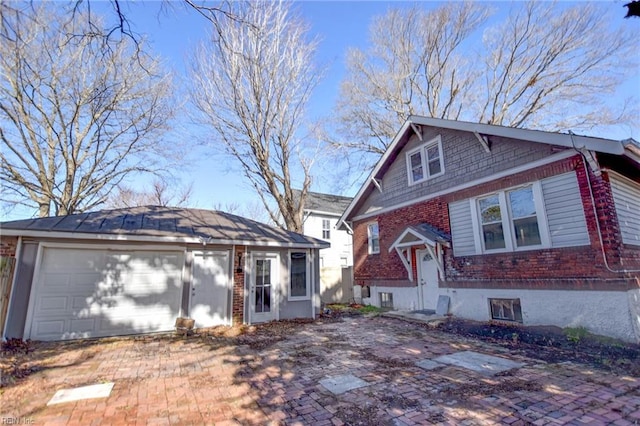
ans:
(94, 293)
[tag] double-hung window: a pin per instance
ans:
(512, 220)
(299, 283)
(326, 229)
(425, 161)
(373, 238)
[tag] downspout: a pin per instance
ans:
(595, 213)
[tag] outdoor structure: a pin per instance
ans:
(321, 214)
(507, 224)
(136, 270)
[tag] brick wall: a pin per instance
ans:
(237, 311)
(8, 246)
(566, 268)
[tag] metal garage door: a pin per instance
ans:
(93, 293)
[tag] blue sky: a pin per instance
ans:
(173, 31)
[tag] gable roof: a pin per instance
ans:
(326, 203)
(161, 224)
(627, 147)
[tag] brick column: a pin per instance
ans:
(237, 312)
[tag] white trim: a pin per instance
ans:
(548, 160)
(16, 262)
(484, 141)
(506, 217)
(275, 284)
(608, 146)
(35, 280)
(369, 239)
(154, 239)
(424, 160)
(307, 273)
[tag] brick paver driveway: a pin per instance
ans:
(171, 380)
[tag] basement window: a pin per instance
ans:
(506, 310)
(386, 300)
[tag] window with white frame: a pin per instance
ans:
(299, 283)
(326, 229)
(374, 238)
(512, 220)
(425, 161)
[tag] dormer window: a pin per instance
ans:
(425, 162)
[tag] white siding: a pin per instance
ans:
(626, 197)
(461, 228)
(565, 212)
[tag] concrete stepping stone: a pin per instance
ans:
(481, 363)
(85, 392)
(342, 384)
(428, 364)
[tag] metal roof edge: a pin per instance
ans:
(157, 239)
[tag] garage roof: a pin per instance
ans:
(160, 224)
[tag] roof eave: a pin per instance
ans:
(381, 162)
(158, 239)
(608, 146)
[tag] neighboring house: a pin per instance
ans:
(510, 224)
(136, 270)
(321, 214)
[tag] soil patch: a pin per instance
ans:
(553, 344)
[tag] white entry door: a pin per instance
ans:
(427, 279)
(210, 287)
(264, 287)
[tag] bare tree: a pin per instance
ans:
(415, 65)
(538, 69)
(251, 83)
(76, 118)
(160, 193)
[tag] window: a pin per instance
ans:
(506, 309)
(425, 161)
(326, 229)
(511, 220)
(386, 300)
(374, 238)
(298, 277)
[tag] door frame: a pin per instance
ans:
(275, 287)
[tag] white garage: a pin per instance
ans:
(88, 292)
(136, 270)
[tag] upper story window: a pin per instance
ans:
(511, 220)
(373, 238)
(425, 161)
(326, 229)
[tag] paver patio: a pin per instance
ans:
(171, 380)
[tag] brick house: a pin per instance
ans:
(510, 224)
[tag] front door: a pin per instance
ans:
(263, 288)
(210, 286)
(427, 279)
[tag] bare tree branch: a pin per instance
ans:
(547, 66)
(252, 82)
(76, 118)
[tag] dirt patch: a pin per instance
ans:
(552, 344)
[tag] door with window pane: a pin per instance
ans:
(263, 289)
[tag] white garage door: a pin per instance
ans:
(93, 293)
